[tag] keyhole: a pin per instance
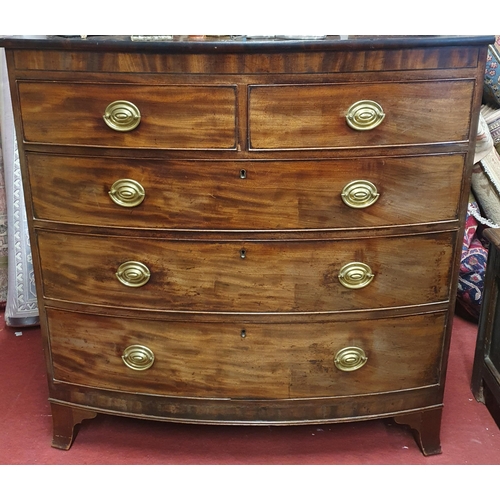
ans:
(243, 334)
(243, 253)
(243, 174)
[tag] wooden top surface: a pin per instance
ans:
(237, 43)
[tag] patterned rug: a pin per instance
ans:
(3, 237)
(472, 264)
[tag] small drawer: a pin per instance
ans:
(280, 360)
(389, 114)
(129, 116)
(230, 195)
(246, 276)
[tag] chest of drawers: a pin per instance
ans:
(247, 232)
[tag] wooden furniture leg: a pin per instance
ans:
(64, 419)
(426, 428)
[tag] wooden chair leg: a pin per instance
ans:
(426, 428)
(64, 420)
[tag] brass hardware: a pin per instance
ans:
(122, 116)
(243, 253)
(355, 275)
(133, 274)
(151, 38)
(243, 174)
(127, 193)
(350, 359)
(138, 357)
(365, 115)
(360, 194)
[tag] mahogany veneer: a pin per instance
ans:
(274, 238)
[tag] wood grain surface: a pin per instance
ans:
(271, 362)
(274, 195)
(274, 276)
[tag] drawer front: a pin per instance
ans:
(247, 276)
(171, 117)
(270, 195)
(314, 116)
(273, 361)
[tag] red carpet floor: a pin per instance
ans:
(469, 434)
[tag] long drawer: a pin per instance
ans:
(279, 360)
(314, 116)
(230, 195)
(162, 116)
(246, 276)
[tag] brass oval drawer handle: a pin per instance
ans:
(122, 116)
(138, 357)
(350, 359)
(127, 193)
(356, 275)
(365, 115)
(133, 274)
(360, 194)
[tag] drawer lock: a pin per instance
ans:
(350, 359)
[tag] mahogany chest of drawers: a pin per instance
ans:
(259, 232)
